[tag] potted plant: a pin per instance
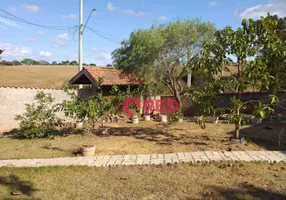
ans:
(163, 118)
(147, 117)
(135, 119)
(87, 150)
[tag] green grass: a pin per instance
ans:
(199, 181)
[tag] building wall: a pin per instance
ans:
(13, 100)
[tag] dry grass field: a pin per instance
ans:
(40, 76)
(147, 137)
(231, 181)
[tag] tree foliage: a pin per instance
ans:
(241, 50)
(275, 63)
(162, 52)
(40, 118)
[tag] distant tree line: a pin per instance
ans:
(28, 61)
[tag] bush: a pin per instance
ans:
(175, 118)
(40, 119)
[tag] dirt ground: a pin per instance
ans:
(231, 181)
(147, 137)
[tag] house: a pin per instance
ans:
(90, 76)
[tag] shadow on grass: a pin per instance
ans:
(13, 182)
(62, 132)
(270, 136)
(241, 192)
(153, 135)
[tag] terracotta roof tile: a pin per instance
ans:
(111, 76)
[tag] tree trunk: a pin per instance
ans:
(237, 125)
(179, 99)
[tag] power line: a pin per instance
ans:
(104, 36)
(18, 19)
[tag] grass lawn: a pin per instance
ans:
(147, 137)
(199, 181)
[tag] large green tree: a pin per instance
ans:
(163, 52)
(276, 64)
(239, 53)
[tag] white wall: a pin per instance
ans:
(13, 100)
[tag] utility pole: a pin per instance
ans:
(80, 57)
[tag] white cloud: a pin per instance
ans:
(35, 37)
(163, 18)
(132, 12)
(45, 54)
(100, 57)
(32, 8)
(61, 40)
(10, 23)
(110, 7)
(71, 16)
(212, 4)
(14, 52)
(275, 7)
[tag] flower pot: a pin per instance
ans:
(135, 120)
(237, 140)
(147, 118)
(79, 125)
(163, 118)
(88, 150)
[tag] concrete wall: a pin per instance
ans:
(223, 101)
(13, 100)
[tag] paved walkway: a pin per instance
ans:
(149, 159)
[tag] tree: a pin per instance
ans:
(162, 52)
(242, 47)
(92, 64)
(65, 62)
(54, 63)
(276, 65)
(74, 63)
(44, 62)
(109, 65)
(92, 109)
(27, 61)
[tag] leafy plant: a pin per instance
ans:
(247, 70)
(40, 118)
(176, 117)
(92, 109)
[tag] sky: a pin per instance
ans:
(112, 22)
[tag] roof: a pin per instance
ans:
(111, 76)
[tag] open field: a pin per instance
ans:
(198, 181)
(147, 137)
(40, 76)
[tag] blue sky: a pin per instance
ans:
(112, 19)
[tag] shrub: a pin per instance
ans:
(39, 120)
(175, 118)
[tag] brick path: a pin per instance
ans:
(149, 159)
